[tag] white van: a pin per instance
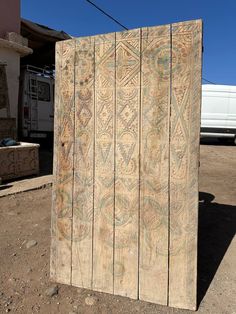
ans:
(36, 103)
(218, 117)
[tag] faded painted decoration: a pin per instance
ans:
(125, 193)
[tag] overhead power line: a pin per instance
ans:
(105, 13)
(117, 22)
(208, 81)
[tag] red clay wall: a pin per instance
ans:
(9, 17)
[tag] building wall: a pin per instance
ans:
(9, 17)
(12, 59)
(10, 22)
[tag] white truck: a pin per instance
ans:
(36, 103)
(218, 116)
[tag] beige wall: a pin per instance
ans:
(12, 59)
(9, 17)
(11, 49)
(10, 22)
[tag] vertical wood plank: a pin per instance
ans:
(63, 164)
(184, 159)
(53, 249)
(154, 203)
(83, 196)
(127, 163)
(104, 162)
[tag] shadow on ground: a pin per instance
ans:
(45, 161)
(217, 227)
(4, 187)
(217, 141)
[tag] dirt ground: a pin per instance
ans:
(24, 273)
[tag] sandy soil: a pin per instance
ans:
(24, 273)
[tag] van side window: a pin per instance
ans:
(43, 91)
(39, 90)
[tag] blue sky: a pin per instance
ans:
(79, 18)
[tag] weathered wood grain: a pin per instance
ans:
(184, 159)
(127, 163)
(53, 248)
(154, 203)
(62, 212)
(104, 163)
(83, 194)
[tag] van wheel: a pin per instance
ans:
(223, 140)
(235, 140)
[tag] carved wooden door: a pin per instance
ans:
(125, 195)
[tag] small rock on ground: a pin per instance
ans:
(51, 291)
(90, 300)
(30, 244)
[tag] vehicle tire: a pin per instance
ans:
(235, 140)
(223, 140)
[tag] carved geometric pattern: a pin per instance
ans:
(104, 115)
(128, 65)
(127, 115)
(104, 149)
(84, 115)
(126, 151)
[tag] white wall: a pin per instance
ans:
(12, 59)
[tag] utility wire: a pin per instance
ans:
(117, 22)
(105, 13)
(208, 81)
